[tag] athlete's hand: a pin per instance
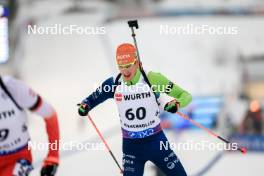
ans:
(49, 170)
(83, 109)
(50, 166)
(172, 106)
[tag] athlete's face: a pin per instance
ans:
(129, 71)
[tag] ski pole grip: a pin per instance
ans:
(133, 23)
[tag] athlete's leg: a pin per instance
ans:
(16, 164)
(169, 163)
(133, 165)
(133, 158)
(164, 157)
(6, 169)
(20, 168)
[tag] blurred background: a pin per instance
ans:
(223, 72)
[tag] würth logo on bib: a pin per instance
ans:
(7, 114)
(137, 96)
(118, 97)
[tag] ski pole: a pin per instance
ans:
(241, 149)
(134, 24)
(105, 143)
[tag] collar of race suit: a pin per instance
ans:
(135, 78)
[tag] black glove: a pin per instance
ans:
(49, 170)
(172, 106)
(83, 109)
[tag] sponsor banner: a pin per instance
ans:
(251, 142)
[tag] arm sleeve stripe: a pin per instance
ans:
(37, 104)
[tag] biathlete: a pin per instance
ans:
(15, 155)
(136, 95)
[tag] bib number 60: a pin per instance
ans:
(140, 113)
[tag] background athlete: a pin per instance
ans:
(15, 157)
(139, 113)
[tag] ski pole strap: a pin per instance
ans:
(149, 84)
(145, 77)
(116, 83)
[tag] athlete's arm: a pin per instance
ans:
(28, 99)
(164, 85)
(102, 93)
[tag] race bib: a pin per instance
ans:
(138, 110)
